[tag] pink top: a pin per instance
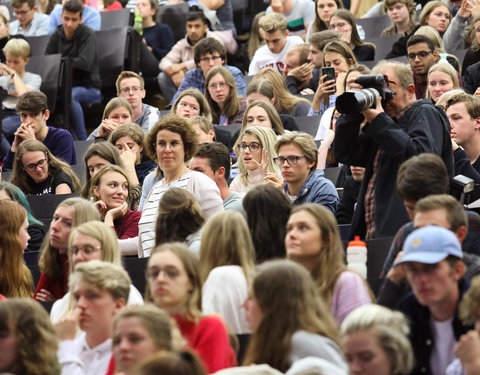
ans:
(349, 293)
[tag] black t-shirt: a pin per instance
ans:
(50, 184)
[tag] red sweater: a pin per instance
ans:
(57, 286)
(209, 339)
(127, 226)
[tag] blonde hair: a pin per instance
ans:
(277, 125)
(428, 8)
(255, 41)
(203, 123)
(17, 47)
(302, 140)
(204, 106)
(97, 179)
(273, 22)
(444, 68)
(226, 241)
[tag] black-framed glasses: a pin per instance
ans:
(291, 160)
(33, 166)
(162, 145)
(421, 55)
(206, 60)
(253, 147)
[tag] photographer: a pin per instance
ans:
(405, 127)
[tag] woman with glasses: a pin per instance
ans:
(255, 149)
(221, 93)
(172, 142)
(174, 285)
(313, 240)
(36, 171)
(344, 23)
(117, 112)
(92, 240)
(191, 102)
(53, 261)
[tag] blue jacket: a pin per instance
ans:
(317, 189)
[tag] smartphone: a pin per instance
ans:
(330, 72)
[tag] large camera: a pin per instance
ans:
(374, 85)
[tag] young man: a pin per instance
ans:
(78, 42)
(180, 58)
(213, 160)
(33, 110)
(299, 14)
(208, 53)
(91, 17)
(100, 290)
(432, 260)
(277, 43)
(297, 64)
(422, 56)
(16, 81)
(403, 129)
(29, 22)
(297, 159)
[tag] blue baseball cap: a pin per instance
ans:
(430, 244)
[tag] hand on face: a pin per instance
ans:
(118, 212)
(106, 127)
(67, 327)
(263, 165)
(274, 180)
(127, 156)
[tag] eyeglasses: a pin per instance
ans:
(126, 90)
(21, 12)
(33, 166)
(253, 147)
(87, 250)
(291, 160)
(206, 60)
(214, 86)
(421, 55)
(162, 145)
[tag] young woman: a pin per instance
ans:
(179, 219)
(255, 147)
(375, 341)
(53, 261)
(138, 333)
(15, 278)
(402, 14)
(227, 260)
(313, 240)
(324, 10)
(36, 171)
(28, 340)
(111, 192)
(221, 93)
(437, 15)
(285, 102)
(92, 240)
(173, 284)
(255, 41)
(344, 23)
(260, 113)
(441, 79)
(268, 210)
(36, 229)
(203, 127)
(128, 139)
(288, 319)
(171, 143)
(117, 112)
(191, 102)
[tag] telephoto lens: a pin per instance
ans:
(352, 102)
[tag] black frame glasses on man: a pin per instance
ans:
(421, 55)
(291, 160)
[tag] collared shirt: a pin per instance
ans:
(38, 26)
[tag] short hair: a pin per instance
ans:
(199, 97)
(194, 15)
(261, 86)
(273, 22)
(104, 276)
(17, 47)
(32, 102)
(115, 103)
(73, 6)
(203, 123)
(428, 8)
(422, 175)
(302, 50)
(456, 215)
(470, 302)
(321, 38)
(129, 74)
(209, 45)
(18, 3)
(417, 39)
(340, 47)
(305, 142)
(444, 68)
(277, 125)
(97, 179)
(410, 4)
(36, 339)
(402, 71)
(155, 321)
(472, 103)
(101, 232)
(390, 329)
(154, 6)
(217, 155)
(175, 124)
(443, 99)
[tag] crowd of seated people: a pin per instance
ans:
(213, 233)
